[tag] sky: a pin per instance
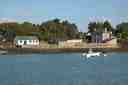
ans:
(80, 12)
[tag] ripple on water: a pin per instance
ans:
(63, 69)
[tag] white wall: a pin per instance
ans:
(28, 42)
(74, 41)
(70, 43)
(105, 36)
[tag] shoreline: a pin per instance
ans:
(60, 50)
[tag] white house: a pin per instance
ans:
(104, 36)
(26, 41)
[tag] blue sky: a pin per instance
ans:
(80, 12)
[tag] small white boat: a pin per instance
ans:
(91, 54)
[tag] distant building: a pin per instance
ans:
(101, 37)
(26, 41)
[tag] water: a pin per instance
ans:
(63, 69)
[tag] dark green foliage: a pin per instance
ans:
(47, 30)
(108, 25)
(7, 34)
(55, 29)
(122, 31)
(99, 26)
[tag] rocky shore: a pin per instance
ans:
(60, 50)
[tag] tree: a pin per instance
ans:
(59, 30)
(99, 27)
(56, 20)
(8, 34)
(122, 30)
(108, 25)
(92, 26)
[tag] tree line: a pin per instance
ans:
(59, 30)
(52, 29)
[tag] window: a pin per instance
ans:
(20, 42)
(25, 42)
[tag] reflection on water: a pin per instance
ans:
(63, 69)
